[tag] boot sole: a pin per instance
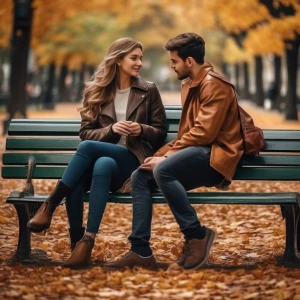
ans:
(75, 267)
(36, 230)
(128, 267)
(211, 240)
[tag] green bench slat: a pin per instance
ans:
(46, 129)
(59, 129)
(172, 112)
(271, 160)
(282, 146)
(68, 127)
(63, 143)
(40, 158)
(195, 198)
(265, 173)
(42, 144)
(282, 134)
(45, 121)
(59, 143)
(242, 173)
(64, 158)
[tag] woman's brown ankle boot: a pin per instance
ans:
(42, 218)
(76, 234)
(81, 254)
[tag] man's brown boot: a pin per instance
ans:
(132, 259)
(81, 254)
(181, 259)
(42, 218)
(197, 251)
(76, 234)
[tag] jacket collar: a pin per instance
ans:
(139, 83)
(137, 94)
(205, 68)
(109, 110)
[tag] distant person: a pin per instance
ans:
(205, 152)
(123, 122)
(271, 96)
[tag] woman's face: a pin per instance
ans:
(131, 63)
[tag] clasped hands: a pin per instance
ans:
(127, 128)
(134, 129)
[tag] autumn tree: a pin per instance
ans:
(234, 19)
(6, 7)
(284, 30)
(19, 56)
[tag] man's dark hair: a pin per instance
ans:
(188, 44)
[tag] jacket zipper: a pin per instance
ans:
(148, 144)
(143, 147)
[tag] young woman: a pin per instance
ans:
(123, 122)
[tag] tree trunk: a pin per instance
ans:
(245, 93)
(80, 84)
(292, 68)
(73, 88)
(237, 77)
(91, 71)
(48, 99)
(277, 81)
(62, 83)
(259, 94)
(224, 68)
(19, 57)
(1, 69)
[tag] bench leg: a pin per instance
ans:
(291, 255)
(24, 247)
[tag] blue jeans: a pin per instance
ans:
(101, 166)
(184, 170)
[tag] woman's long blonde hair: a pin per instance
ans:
(102, 88)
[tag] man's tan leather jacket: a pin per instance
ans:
(209, 118)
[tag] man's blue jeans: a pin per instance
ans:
(184, 170)
(102, 167)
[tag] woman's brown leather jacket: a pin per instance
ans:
(144, 107)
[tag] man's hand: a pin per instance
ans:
(151, 162)
(135, 129)
(122, 128)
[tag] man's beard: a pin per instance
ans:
(182, 77)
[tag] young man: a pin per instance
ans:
(205, 152)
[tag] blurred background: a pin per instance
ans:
(48, 49)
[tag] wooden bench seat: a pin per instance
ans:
(42, 148)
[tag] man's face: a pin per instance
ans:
(179, 66)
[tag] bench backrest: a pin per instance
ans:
(52, 142)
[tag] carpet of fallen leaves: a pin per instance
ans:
(243, 263)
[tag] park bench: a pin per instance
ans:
(42, 148)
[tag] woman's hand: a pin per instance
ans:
(122, 128)
(127, 128)
(135, 128)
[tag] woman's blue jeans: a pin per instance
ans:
(102, 167)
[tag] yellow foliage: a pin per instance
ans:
(231, 16)
(151, 21)
(270, 38)
(234, 54)
(294, 3)
(6, 13)
(263, 41)
(82, 39)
